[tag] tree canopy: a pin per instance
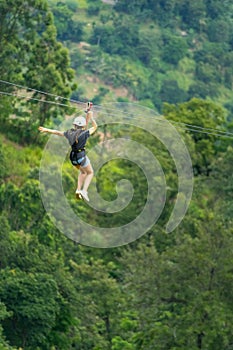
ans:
(165, 290)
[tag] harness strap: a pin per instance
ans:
(80, 150)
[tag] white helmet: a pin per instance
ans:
(80, 121)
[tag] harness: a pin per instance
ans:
(80, 150)
(78, 157)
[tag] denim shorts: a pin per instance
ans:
(87, 162)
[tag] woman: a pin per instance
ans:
(77, 137)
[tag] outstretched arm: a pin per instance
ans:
(89, 117)
(51, 131)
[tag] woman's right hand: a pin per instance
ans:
(89, 116)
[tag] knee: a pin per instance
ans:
(90, 172)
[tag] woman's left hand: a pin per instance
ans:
(42, 129)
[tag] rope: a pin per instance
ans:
(180, 125)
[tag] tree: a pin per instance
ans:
(192, 13)
(148, 47)
(6, 246)
(202, 114)
(202, 90)
(53, 74)
(182, 300)
(118, 38)
(31, 55)
(3, 314)
(33, 302)
(161, 10)
(100, 298)
(219, 31)
(67, 28)
(94, 7)
(19, 25)
(134, 6)
(175, 48)
(33, 272)
(217, 9)
(171, 93)
(3, 164)
(222, 183)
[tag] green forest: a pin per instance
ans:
(164, 290)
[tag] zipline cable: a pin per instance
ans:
(188, 127)
(180, 125)
(183, 126)
(83, 103)
(33, 99)
(41, 92)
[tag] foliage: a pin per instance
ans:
(67, 28)
(202, 114)
(38, 61)
(32, 299)
(4, 169)
(181, 299)
(164, 291)
(160, 34)
(175, 49)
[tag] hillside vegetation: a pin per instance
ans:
(164, 291)
(160, 51)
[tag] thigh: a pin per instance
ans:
(87, 169)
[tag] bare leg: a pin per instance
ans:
(87, 177)
(81, 178)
